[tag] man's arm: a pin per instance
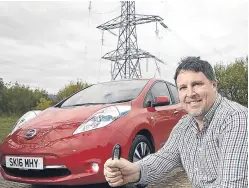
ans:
(233, 170)
(156, 166)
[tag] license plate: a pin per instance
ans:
(24, 162)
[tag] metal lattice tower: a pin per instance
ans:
(127, 55)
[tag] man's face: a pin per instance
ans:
(197, 94)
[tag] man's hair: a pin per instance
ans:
(197, 65)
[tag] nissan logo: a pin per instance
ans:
(30, 134)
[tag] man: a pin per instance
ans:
(210, 143)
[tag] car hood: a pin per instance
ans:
(53, 124)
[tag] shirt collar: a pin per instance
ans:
(209, 115)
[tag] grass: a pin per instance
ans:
(6, 125)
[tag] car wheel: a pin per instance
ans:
(140, 148)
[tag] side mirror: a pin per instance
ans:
(161, 101)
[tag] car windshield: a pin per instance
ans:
(106, 93)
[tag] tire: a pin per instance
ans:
(139, 142)
(136, 148)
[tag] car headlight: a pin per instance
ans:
(25, 118)
(103, 118)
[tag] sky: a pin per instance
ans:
(48, 44)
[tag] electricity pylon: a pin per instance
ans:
(127, 54)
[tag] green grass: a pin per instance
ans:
(6, 125)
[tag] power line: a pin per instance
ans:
(100, 60)
(184, 41)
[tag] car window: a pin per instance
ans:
(158, 89)
(174, 92)
(106, 93)
(148, 100)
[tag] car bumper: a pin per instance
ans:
(68, 161)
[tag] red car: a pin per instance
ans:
(69, 143)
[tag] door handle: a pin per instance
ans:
(176, 112)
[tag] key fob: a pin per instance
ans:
(116, 152)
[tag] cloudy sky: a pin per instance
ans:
(48, 44)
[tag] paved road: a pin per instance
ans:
(176, 179)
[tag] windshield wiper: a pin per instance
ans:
(90, 103)
(125, 100)
(84, 104)
(87, 104)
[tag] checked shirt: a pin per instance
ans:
(215, 157)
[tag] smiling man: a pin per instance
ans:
(210, 142)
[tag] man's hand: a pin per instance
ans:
(119, 172)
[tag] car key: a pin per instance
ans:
(116, 152)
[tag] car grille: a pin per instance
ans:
(45, 173)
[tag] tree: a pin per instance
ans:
(43, 104)
(71, 88)
(18, 99)
(233, 80)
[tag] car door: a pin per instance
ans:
(165, 117)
